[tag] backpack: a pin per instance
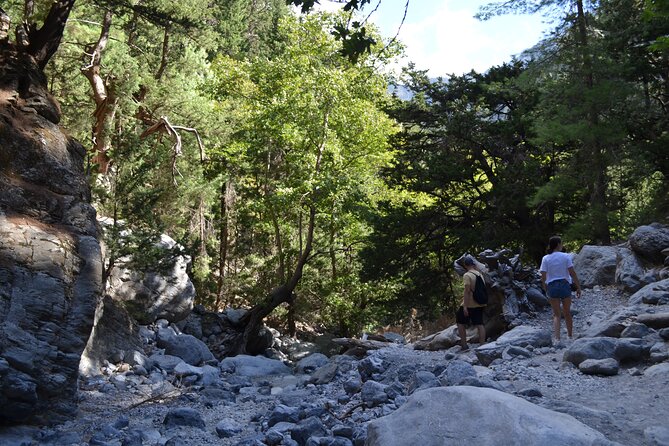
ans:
(480, 291)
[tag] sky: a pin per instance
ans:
(443, 37)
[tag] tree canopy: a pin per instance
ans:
(269, 144)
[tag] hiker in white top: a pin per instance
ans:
(557, 277)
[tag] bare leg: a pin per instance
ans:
(463, 335)
(555, 305)
(481, 330)
(566, 309)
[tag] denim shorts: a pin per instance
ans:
(558, 289)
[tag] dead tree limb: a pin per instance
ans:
(350, 411)
(165, 395)
(105, 99)
(163, 125)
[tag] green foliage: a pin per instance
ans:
(565, 143)
(310, 134)
(294, 115)
(655, 15)
(464, 170)
(353, 35)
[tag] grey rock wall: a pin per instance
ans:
(50, 261)
(151, 295)
(114, 337)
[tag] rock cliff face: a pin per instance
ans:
(50, 267)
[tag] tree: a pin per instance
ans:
(42, 42)
(464, 171)
(596, 111)
(311, 141)
(579, 72)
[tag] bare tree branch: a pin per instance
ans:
(103, 96)
(164, 126)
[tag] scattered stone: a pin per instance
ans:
(184, 416)
(394, 337)
(373, 393)
(656, 293)
(325, 374)
(537, 297)
(664, 334)
(227, 428)
(631, 350)
(253, 366)
(370, 366)
(423, 379)
(310, 427)
(629, 271)
(605, 367)
(590, 348)
(165, 362)
(611, 325)
(659, 352)
(283, 414)
(656, 320)
(657, 435)
(353, 385)
(311, 363)
(455, 372)
(530, 392)
(635, 330)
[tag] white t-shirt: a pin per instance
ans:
(555, 265)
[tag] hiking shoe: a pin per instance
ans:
(464, 348)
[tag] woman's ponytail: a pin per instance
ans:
(553, 243)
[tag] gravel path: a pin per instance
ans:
(621, 407)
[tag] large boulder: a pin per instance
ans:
(656, 293)
(474, 415)
(518, 337)
(441, 340)
(596, 265)
(630, 273)
(444, 339)
(115, 334)
(654, 320)
(163, 293)
(50, 258)
(590, 348)
(524, 335)
(254, 366)
(187, 347)
(649, 241)
(612, 325)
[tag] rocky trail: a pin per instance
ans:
(77, 368)
(331, 401)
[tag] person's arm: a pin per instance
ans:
(574, 278)
(543, 281)
(467, 292)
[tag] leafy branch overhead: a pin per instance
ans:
(353, 35)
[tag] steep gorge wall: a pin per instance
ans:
(50, 260)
